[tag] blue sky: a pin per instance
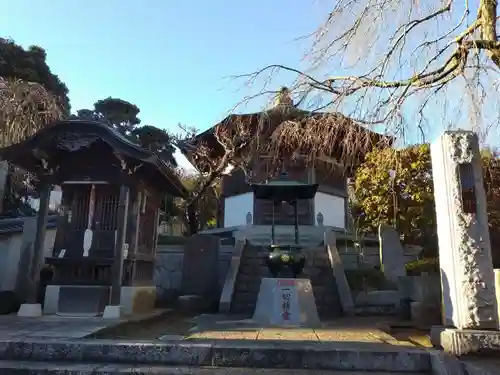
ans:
(169, 57)
(172, 58)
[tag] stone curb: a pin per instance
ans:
(44, 368)
(222, 353)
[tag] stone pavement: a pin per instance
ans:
(61, 327)
(355, 330)
(31, 345)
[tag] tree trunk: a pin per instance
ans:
(488, 19)
(192, 218)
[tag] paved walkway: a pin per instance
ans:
(60, 327)
(162, 325)
(358, 329)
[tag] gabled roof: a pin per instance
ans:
(27, 154)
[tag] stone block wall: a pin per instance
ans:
(319, 271)
(168, 269)
(169, 258)
(352, 259)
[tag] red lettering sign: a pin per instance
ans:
(286, 282)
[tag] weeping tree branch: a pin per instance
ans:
(400, 50)
(25, 108)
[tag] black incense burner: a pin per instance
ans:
(285, 261)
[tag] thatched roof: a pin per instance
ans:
(293, 130)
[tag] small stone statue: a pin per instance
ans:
(283, 98)
(319, 219)
(249, 218)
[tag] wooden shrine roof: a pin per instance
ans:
(48, 147)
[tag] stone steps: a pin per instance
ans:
(253, 268)
(90, 355)
(61, 368)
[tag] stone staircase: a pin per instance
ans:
(253, 268)
(206, 357)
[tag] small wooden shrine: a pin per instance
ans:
(238, 202)
(112, 189)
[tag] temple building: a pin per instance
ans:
(112, 191)
(238, 205)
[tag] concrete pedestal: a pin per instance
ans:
(465, 341)
(286, 302)
(30, 310)
(112, 312)
(95, 299)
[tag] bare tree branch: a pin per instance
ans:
(397, 63)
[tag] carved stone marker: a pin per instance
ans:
(464, 244)
(200, 266)
(391, 253)
(286, 302)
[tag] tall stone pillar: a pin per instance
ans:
(464, 244)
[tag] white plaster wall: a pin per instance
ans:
(236, 209)
(10, 253)
(332, 207)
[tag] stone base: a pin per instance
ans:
(112, 312)
(425, 315)
(459, 342)
(286, 302)
(193, 302)
(133, 299)
(31, 310)
(138, 299)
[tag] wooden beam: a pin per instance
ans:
(119, 244)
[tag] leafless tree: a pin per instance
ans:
(211, 161)
(405, 67)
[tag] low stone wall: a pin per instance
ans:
(169, 259)
(10, 255)
(352, 259)
(168, 270)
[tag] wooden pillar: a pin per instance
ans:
(311, 179)
(4, 172)
(38, 247)
(121, 230)
(296, 220)
(273, 230)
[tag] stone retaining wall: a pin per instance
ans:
(168, 269)
(169, 258)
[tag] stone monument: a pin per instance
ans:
(286, 302)
(392, 256)
(467, 278)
